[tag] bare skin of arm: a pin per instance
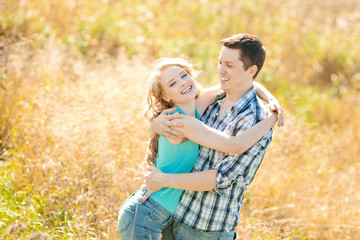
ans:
(198, 132)
(274, 105)
(207, 97)
(165, 124)
(196, 181)
(204, 135)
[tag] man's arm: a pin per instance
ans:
(225, 173)
(196, 181)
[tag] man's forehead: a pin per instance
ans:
(229, 54)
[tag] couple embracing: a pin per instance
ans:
(206, 146)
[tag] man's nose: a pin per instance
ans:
(221, 69)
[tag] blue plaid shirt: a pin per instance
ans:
(219, 210)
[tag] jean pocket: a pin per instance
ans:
(125, 218)
(161, 219)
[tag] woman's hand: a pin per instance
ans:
(275, 107)
(154, 181)
(163, 124)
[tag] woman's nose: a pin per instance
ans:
(182, 82)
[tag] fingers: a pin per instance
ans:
(280, 122)
(175, 116)
(174, 123)
(275, 107)
(173, 134)
(169, 110)
(147, 195)
(281, 119)
(272, 106)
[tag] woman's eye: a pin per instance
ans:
(172, 84)
(184, 75)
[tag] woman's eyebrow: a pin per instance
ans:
(182, 72)
(170, 80)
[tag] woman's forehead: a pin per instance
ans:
(171, 71)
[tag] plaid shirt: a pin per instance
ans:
(219, 210)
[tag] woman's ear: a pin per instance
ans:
(252, 71)
(166, 98)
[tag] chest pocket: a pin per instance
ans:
(230, 129)
(219, 157)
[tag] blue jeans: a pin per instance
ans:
(138, 220)
(178, 231)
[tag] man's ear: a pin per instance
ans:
(252, 71)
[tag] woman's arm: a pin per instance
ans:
(204, 135)
(262, 92)
(209, 137)
(265, 95)
(206, 97)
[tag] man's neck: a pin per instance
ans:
(232, 98)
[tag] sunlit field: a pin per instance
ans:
(72, 98)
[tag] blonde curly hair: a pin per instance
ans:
(156, 103)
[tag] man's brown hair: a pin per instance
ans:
(252, 51)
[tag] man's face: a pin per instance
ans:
(232, 73)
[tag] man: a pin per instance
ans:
(210, 206)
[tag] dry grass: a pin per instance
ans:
(79, 133)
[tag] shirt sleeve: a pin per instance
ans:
(233, 167)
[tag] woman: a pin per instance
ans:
(172, 84)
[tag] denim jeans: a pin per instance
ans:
(178, 231)
(138, 220)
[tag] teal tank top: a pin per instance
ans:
(172, 158)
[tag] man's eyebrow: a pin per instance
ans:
(227, 62)
(220, 60)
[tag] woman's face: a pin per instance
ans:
(177, 85)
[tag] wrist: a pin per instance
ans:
(164, 178)
(273, 99)
(274, 116)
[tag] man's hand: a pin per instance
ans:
(163, 124)
(275, 107)
(153, 181)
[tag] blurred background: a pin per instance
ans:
(72, 97)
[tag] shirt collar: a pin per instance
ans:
(241, 103)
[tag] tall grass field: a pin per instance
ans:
(72, 98)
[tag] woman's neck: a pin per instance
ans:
(188, 108)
